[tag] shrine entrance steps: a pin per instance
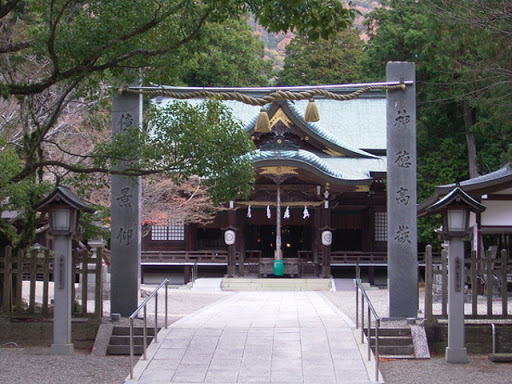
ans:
(278, 284)
(401, 341)
(114, 339)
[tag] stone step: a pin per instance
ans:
(119, 343)
(387, 351)
(137, 331)
(404, 331)
(125, 340)
(118, 350)
(209, 284)
(392, 340)
(283, 284)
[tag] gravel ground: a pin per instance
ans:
(432, 371)
(35, 365)
(437, 371)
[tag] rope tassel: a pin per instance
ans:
(312, 115)
(263, 123)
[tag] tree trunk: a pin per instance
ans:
(470, 140)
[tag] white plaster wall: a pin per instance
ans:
(498, 213)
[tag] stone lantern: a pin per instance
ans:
(455, 209)
(63, 207)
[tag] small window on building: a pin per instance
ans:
(176, 230)
(159, 232)
(381, 226)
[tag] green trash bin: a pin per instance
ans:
(278, 268)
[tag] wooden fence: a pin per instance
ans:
(34, 270)
(487, 285)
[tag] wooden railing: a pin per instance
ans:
(27, 288)
(251, 256)
(184, 257)
(178, 257)
(487, 282)
(360, 258)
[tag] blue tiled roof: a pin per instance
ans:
(349, 127)
(325, 134)
(357, 125)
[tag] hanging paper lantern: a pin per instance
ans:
(305, 214)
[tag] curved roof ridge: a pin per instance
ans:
(504, 171)
(305, 157)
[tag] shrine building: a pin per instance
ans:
(319, 200)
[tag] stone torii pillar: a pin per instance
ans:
(125, 241)
(401, 192)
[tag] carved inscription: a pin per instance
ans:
(124, 199)
(62, 271)
(403, 196)
(403, 159)
(458, 275)
(125, 122)
(124, 236)
(402, 234)
(402, 119)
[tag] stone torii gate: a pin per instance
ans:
(401, 194)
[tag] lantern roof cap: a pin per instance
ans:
(456, 196)
(64, 195)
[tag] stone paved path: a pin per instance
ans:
(259, 337)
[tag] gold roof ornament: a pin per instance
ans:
(279, 115)
(279, 170)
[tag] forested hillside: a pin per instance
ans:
(275, 43)
(59, 61)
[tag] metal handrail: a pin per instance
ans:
(493, 338)
(143, 307)
(372, 311)
(195, 272)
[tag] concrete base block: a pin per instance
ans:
(456, 355)
(62, 349)
(501, 357)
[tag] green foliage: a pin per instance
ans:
(93, 226)
(457, 60)
(223, 55)
(89, 41)
(184, 141)
(57, 51)
(325, 61)
(18, 199)
(313, 18)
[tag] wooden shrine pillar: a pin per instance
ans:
(231, 240)
(325, 236)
